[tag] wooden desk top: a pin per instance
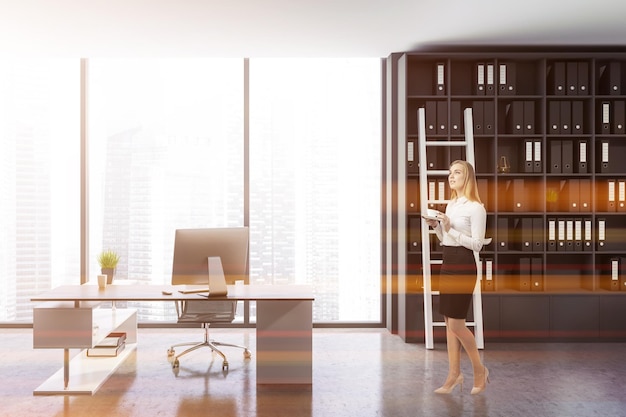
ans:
(148, 292)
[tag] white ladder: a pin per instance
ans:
(427, 262)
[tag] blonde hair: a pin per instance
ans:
(470, 188)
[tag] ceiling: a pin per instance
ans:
(302, 28)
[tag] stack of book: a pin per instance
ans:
(111, 345)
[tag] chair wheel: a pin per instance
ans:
(225, 366)
(175, 364)
(247, 354)
(171, 352)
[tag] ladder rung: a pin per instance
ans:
(445, 143)
(437, 201)
(443, 323)
(441, 172)
(436, 261)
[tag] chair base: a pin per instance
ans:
(212, 344)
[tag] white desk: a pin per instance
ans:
(67, 318)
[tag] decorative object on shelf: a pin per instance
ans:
(504, 166)
(108, 260)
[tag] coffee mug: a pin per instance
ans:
(102, 281)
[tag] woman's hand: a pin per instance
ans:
(445, 222)
(432, 223)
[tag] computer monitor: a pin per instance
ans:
(193, 247)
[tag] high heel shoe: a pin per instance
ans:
(478, 390)
(457, 381)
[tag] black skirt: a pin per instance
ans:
(457, 279)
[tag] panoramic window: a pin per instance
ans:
(165, 152)
(315, 127)
(39, 181)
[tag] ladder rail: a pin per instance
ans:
(427, 261)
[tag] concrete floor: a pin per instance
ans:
(356, 372)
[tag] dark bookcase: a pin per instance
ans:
(550, 145)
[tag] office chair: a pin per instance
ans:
(205, 312)
(218, 253)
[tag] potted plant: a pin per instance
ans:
(108, 260)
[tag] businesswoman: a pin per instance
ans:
(461, 229)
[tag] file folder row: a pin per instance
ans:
(565, 78)
(520, 117)
(611, 195)
(612, 117)
(485, 79)
(486, 76)
(568, 78)
(568, 156)
(566, 117)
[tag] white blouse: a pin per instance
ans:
(468, 220)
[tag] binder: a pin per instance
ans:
(566, 117)
(554, 117)
(572, 78)
(502, 233)
(441, 78)
(560, 235)
(622, 275)
(536, 274)
(529, 117)
(537, 234)
(515, 117)
(614, 282)
(583, 78)
(442, 117)
(558, 78)
(414, 234)
(615, 78)
(605, 118)
(555, 156)
(480, 79)
(489, 115)
(587, 235)
(578, 117)
(573, 197)
(490, 89)
(525, 233)
(441, 191)
(506, 79)
(619, 117)
(412, 193)
(518, 192)
(551, 240)
(584, 194)
(488, 281)
(411, 157)
(611, 201)
(604, 156)
(432, 193)
(581, 157)
(456, 118)
(483, 190)
(431, 117)
(478, 115)
(567, 156)
(578, 235)
(524, 274)
(569, 234)
(529, 156)
(621, 195)
(601, 242)
(537, 165)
